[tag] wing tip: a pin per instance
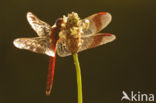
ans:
(101, 20)
(108, 16)
(17, 44)
(113, 37)
(31, 17)
(29, 13)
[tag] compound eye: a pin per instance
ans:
(59, 22)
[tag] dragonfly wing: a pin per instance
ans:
(96, 40)
(37, 45)
(97, 22)
(87, 42)
(41, 28)
(62, 49)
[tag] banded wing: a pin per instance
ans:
(97, 22)
(37, 45)
(41, 28)
(96, 40)
(87, 42)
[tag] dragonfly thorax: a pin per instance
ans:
(54, 35)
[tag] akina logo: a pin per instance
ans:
(138, 96)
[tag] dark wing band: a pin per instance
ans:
(97, 22)
(96, 40)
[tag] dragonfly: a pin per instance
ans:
(55, 39)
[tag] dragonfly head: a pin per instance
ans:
(59, 22)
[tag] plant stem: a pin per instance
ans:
(78, 72)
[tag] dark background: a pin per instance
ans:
(126, 64)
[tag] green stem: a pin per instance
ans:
(78, 72)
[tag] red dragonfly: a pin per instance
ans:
(52, 39)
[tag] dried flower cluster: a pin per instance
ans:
(72, 28)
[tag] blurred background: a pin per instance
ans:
(126, 64)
